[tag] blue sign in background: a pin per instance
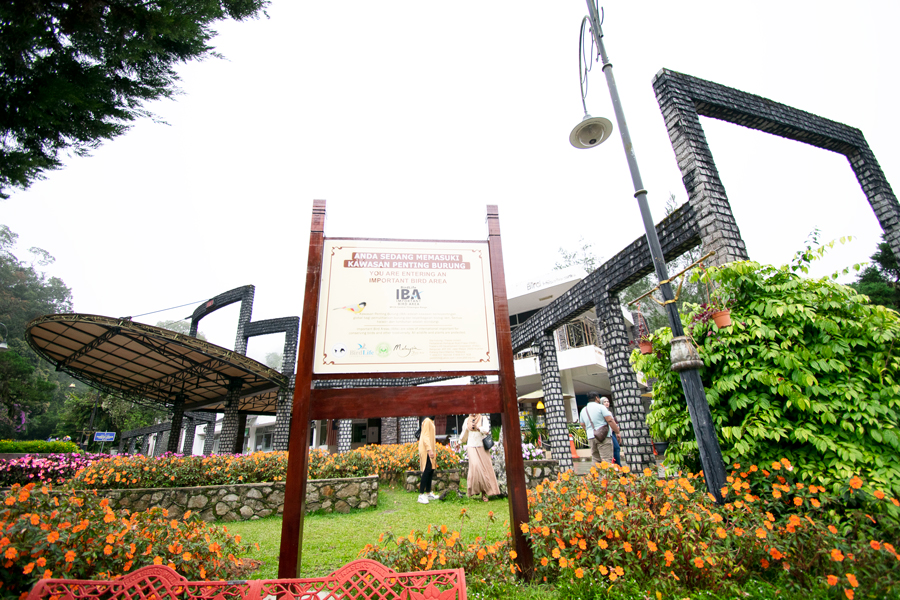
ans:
(104, 436)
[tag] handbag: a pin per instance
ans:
(600, 433)
(488, 442)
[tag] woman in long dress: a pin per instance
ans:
(481, 478)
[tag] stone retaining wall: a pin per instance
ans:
(444, 479)
(535, 472)
(248, 501)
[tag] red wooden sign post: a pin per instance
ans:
(311, 404)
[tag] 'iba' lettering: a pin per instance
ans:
(408, 294)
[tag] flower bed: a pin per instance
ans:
(41, 469)
(389, 463)
(43, 534)
(640, 536)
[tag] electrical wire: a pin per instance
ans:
(165, 309)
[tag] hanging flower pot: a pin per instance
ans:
(646, 347)
(722, 318)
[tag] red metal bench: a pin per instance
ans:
(359, 579)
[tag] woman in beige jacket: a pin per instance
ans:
(426, 460)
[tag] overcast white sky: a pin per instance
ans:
(409, 117)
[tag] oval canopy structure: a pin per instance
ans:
(153, 365)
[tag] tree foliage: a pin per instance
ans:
(809, 370)
(73, 74)
(30, 390)
(880, 281)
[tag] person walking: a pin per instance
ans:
(426, 460)
(615, 439)
(593, 416)
(480, 478)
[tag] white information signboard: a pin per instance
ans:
(401, 306)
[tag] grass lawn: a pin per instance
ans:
(331, 541)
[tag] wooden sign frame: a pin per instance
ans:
(312, 404)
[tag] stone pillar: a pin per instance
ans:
(389, 430)
(408, 428)
(554, 404)
(478, 379)
(239, 437)
(345, 428)
(177, 418)
(240, 341)
(209, 441)
(162, 440)
(637, 449)
(231, 422)
(187, 448)
(131, 445)
(286, 396)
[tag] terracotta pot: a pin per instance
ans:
(646, 347)
(722, 318)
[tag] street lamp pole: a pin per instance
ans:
(701, 418)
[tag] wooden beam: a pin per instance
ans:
(360, 403)
(517, 493)
(290, 553)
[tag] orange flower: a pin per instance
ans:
(669, 557)
(157, 560)
(47, 574)
(776, 493)
(815, 503)
(856, 483)
(563, 563)
(832, 529)
(613, 576)
(698, 562)
(579, 573)
(544, 561)
(545, 531)
(836, 555)
(798, 500)
(555, 553)
(524, 528)
(875, 545)
(774, 552)
(627, 547)
(187, 556)
(721, 533)
(41, 561)
(578, 516)
(651, 546)
(52, 537)
(70, 556)
(852, 579)
(832, 580)
(764, 563)
(11, 553)
(602, 543)
(849, 594)
(761, 533)
(738, 531)
(28, 568)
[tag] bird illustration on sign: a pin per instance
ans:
(354, 308)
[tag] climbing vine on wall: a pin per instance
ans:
(808, 370)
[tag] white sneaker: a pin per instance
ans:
(432, 496)
(423, 499)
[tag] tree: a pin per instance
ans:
(274, 360)
(30, 385)
(880, 281)
(180, 326)
(21, 392)
(73, 74)
(583, 256)
(808, 371)
(691, 290)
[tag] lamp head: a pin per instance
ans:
(540, 405)
(592, 131)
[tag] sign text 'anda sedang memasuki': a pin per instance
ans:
(395, 306)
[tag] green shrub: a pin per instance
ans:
(37, 447)
(808, 370)
(80, 537)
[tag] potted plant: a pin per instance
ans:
(645, 338)
(645, 344)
